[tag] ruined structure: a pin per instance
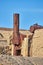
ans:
(21, 42)
(6, 36)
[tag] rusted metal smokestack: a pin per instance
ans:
(16, 32)
(16, 29)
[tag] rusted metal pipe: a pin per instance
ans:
(16, 35)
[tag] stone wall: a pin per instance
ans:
(37, 43)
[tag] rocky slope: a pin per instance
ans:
(19, 60)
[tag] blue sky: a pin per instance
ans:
(31, 12)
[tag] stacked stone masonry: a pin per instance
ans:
(37, 43)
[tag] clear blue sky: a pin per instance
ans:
(31, 12)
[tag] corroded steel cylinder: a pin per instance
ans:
(16, 36)
(16, 29)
